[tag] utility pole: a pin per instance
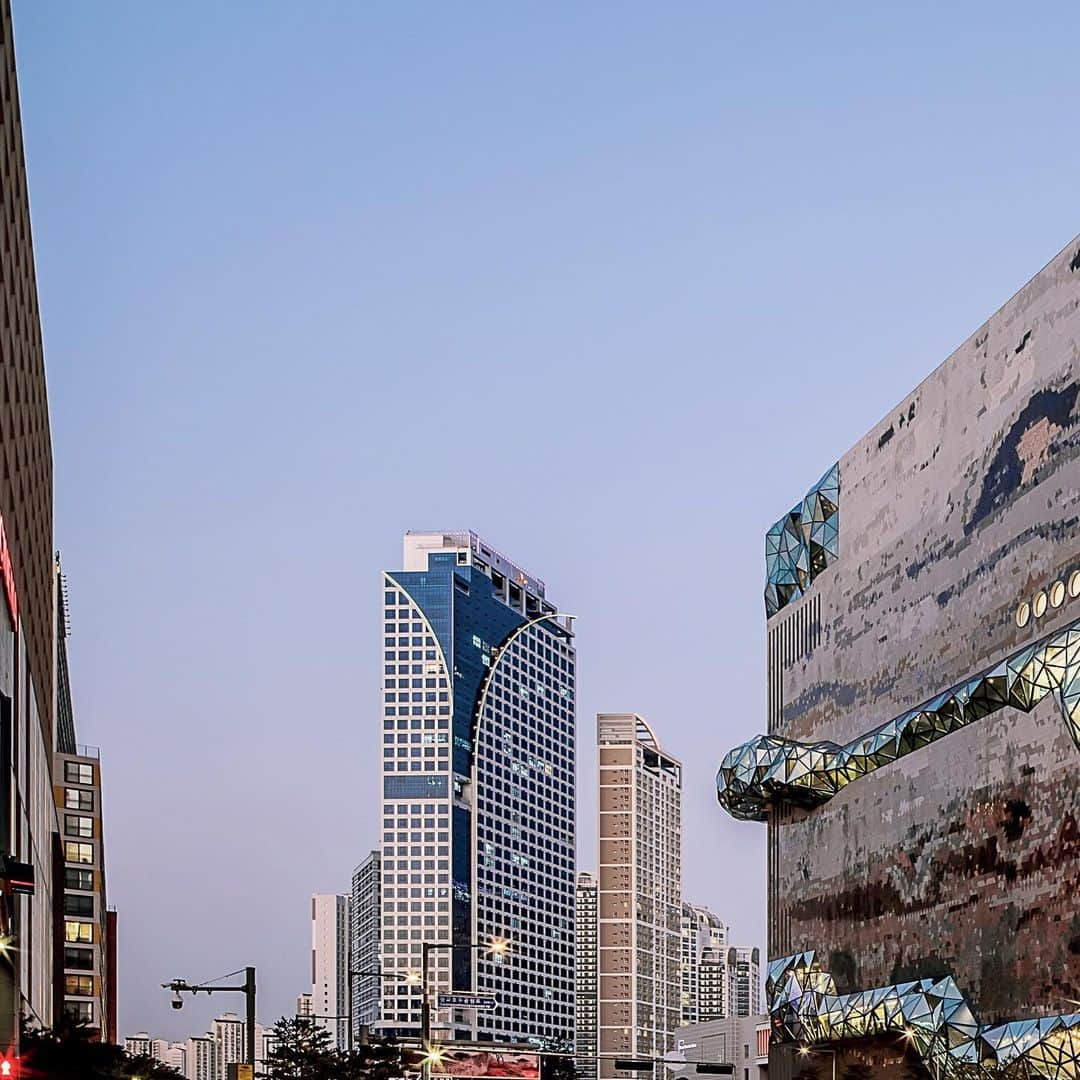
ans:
(249, 994)
(179, 986)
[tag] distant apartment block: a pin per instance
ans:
(703, 966)
(639, 891)
(586, 976)
(228, 1032)
(330, 965)
(744, 980)
(365, 916)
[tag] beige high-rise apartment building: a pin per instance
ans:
(639, 892)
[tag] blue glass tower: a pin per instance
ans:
(478, 791)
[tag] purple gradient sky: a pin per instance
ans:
(610, 284)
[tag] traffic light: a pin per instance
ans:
(9, 1065)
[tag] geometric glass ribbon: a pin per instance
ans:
(771, 769)
(802, 543)
(931, 1014)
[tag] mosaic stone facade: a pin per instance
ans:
(959, 860)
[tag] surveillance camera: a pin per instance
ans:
(177, 1001)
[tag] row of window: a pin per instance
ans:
(1054, 597)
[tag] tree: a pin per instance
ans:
(375, 1059)
(858, 1070)
(914, 1068)
(555, 1062)
(304, 1051)
(68, 1051)
(301, 1051)
(557, 1067)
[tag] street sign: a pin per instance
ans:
(485, 1002)
(634, 1064)
(716, 1068)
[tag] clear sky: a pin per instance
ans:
(611, 284)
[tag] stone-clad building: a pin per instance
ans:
(920, 775)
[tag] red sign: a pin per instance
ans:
(7, 571)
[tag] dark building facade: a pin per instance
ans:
(28, 822)
(25, 441)
(52, 876)
(920, 773)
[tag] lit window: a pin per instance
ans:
(1074, 584)
(1038, 605)
(81, 932)
(1057, 593)
(78, 853)
(79, 985)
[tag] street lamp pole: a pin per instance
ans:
(179, 986)
(497, 946)
(426, 949)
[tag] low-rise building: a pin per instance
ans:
(741, 1042)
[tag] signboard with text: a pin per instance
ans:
(461, 1000)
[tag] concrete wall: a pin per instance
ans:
(961, 858)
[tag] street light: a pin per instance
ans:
(179, 986)
(413, 978)
(433, 1055)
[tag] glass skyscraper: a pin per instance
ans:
(478, 792)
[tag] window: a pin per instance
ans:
(79, 985)
(78, 879)
(80, 853)
(82, 932)
(81, 959)
(78, 799)
(82, 1012)
(77, 825)
(79, 905)
(77, 773)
